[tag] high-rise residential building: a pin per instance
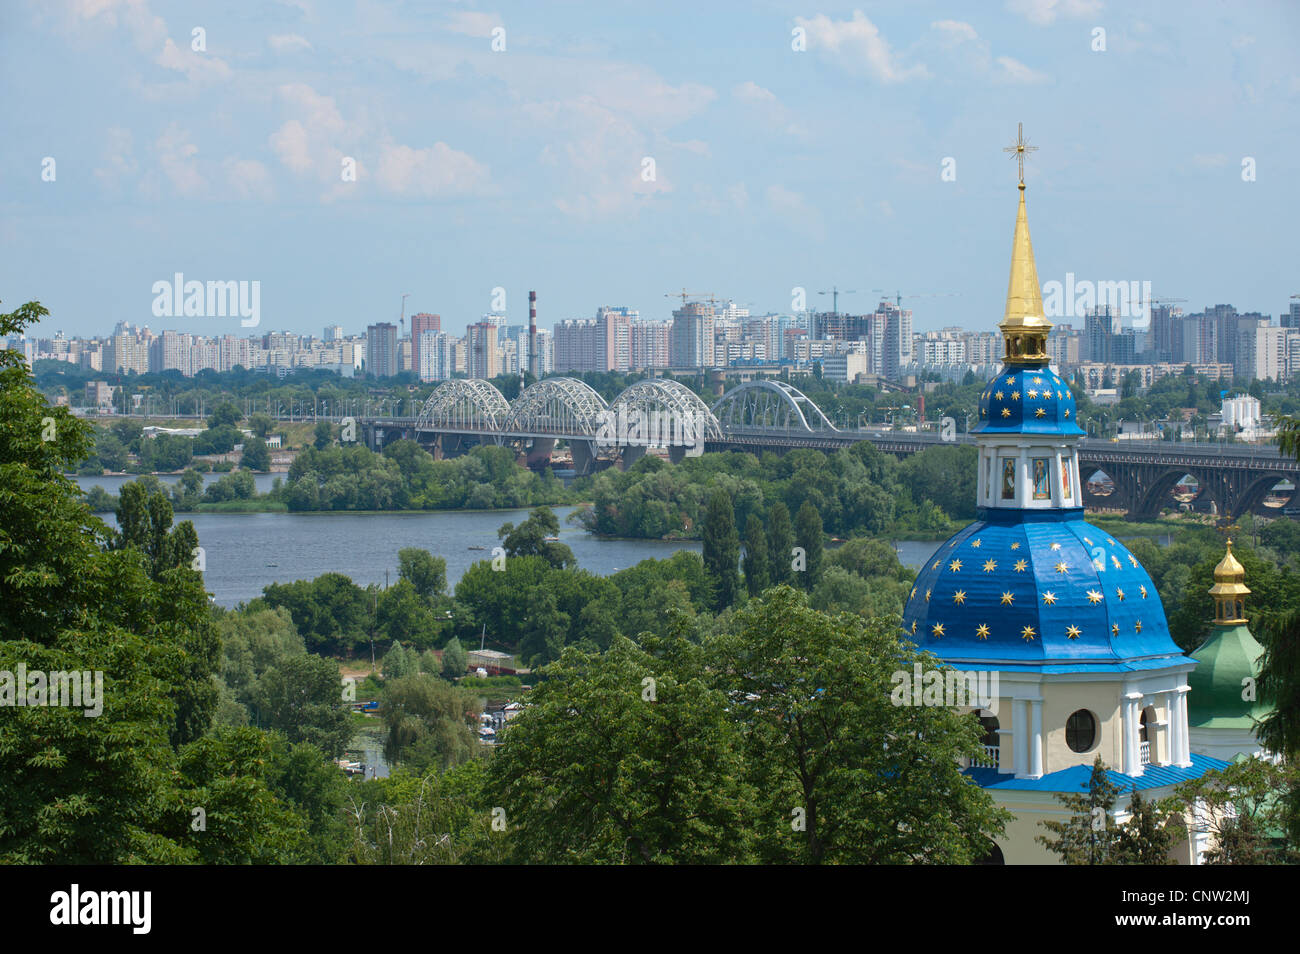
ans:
(1263, 351)
(128, 351)
(691, 338)
(437, 356)
(381, 350)
(1200, 340)
(613, 326)
(333, 333)
(577, 345)
(896, 340)
(419, 325)
(481, 349)
(1292, 318)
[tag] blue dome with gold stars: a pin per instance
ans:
(1030, 585)
(1044, 591)
(1031, 400)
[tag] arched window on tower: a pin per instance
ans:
(1146, 734)
(990, 755)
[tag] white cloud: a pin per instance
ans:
(751, 92)
(247, 178)
(1043, 12)
(957, 29)
(288, 43)
(857, 45)
(1013, 71)
(119, 159)
(197, 67)
(436, 172)
(473, 23)
(177, 158)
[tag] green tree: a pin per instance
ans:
(721, 550)
(628, 756)
(455, 660)
(426, 572)
(757, 578)
(808, 535)
(1089, 836)
(1148, 835)
(226, 413)
(545, 629)
(780, 544)
(817, 699)
(302, 698)
(324, 435)
(530, 539)
(260, 424)
(427, 721)
(256, 455)
(396, 663)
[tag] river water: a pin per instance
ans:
(246, 551)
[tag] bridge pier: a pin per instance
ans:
(631, 454)
(584, 456)
(539, 453)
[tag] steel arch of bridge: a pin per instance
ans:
(769, 405)
(468, 403)
(667, 399)
(556, 406)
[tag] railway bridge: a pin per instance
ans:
(765, 415)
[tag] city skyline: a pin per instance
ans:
(480, 170)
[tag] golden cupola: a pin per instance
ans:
(1229, 590)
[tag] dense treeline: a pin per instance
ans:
(860, 490)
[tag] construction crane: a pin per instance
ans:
(684, 294)
(899, 296)
(835, 294)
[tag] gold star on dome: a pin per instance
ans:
(1015, 546)
(1073, 632)
(1032, 393)
(1007, 598)
(975, 544)
(937, 629)
(1060, 396)
(1087, 541)
(1011, 380)
(1119, 594)
(1133, 560)
(1094, 597)
(954, 566)
(1067, 412)
(1020, 566)
(1138, 625)
(1143, 590)
(1056, 546)
(982, 412)
(1006, 412)
(1061, 567)
(912, 595)
(998, 396)
(959, 597)
(1049, 598)
(1115, 560)
(983, 631)
(1028, 633)
(927, 596)
(1038, 380)
(1015, 395)
(990, 566)
(1114, 629)
(1040, 413)
(913, 627)
(936, 564)
(1110, 541)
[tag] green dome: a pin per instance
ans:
(1230, 656)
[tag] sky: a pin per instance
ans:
(615, 152)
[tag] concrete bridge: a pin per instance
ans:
(771, 415)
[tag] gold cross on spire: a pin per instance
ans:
(1020, 149)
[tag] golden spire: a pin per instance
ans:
(1024, 328)
(1229, 590)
